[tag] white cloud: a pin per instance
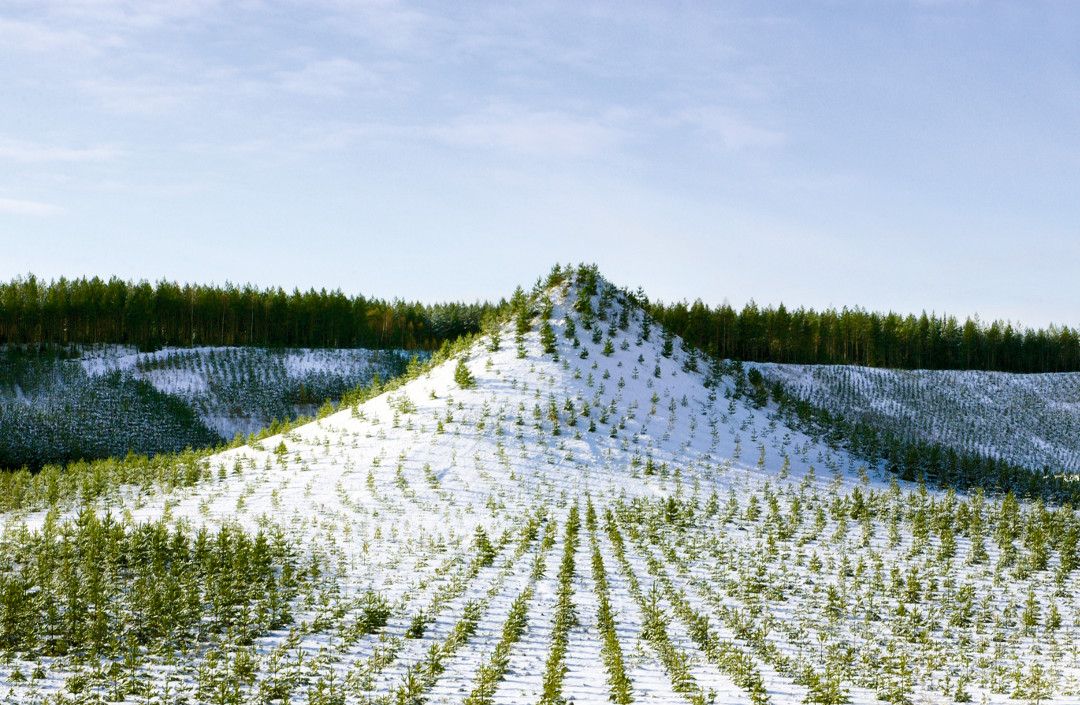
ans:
(133, 14)
(33, 153)
(391, 24)
(533, 133)
(13, 206)
(34, 37)
(140, 97)
(95, 27)
(510, 131)
(733, 131)
(173, 86)
(333, 77)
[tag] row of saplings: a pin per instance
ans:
(100, 587)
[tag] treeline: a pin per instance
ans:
(149, 316)
(859, 337)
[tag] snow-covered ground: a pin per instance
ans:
(1030, 420)
(744, 562)
(213, 393)
(240, 390)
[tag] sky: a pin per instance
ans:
(893, 155)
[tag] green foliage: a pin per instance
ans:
(520, 308)
(911, 458)
(565, 615)
(419, 677)
(463, 376)
(854, 336)
(668, 347)
(485, 551)
(417, 626)
(150, 316)
(618, 680)
(65, 415)
(824, 689)
(491, 673)
(655, 620)
(53, 412)
(94, 583)
(547, 338)
(374, 613)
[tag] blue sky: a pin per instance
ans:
(901, 156)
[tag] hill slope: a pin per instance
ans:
(599, 523)
(1029, 420)
(113, 399)
(241, 390)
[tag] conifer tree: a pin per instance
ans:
(547, 338)
(463, 376)
(668, 347)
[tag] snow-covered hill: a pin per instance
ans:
(113, 399)
(240, 390)
(1029, 420)
(598, 523)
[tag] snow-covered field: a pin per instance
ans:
(595, 525)
(1031, 420)
(113, 399)
(240, 390)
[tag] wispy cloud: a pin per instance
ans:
(145, 97)
(532, 133)
(35, 37)
(173, 86)
(512, 132)
(733, 131)
(95, 27)
(13, 206)
(390, 24)
(331, 78)
(24, 152)
(120, 14)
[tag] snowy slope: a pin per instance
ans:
(684, 548)
(113, 399)
(240, 390)
(1030, 420)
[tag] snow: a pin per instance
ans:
(241, 390)
(1030, 420)
(392, 502)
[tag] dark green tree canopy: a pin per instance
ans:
(859, 337)
(84, 311)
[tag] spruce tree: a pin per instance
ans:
(668, 347)
(463, 376)
(547, 338)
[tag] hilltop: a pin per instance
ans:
(570, 505)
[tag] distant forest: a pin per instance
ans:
(149, 316)
(858, 337)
